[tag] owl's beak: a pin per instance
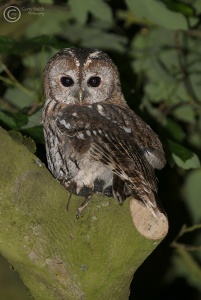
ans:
(81, 96)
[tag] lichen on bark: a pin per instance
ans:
(57, 255)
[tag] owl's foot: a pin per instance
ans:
(79, 210)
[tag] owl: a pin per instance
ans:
(94, 142)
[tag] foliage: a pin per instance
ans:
(156, 45)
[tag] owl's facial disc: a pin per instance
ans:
(85, 85)
(82, 77)
(94, 82)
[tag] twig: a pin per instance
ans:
(186, 80)
(13, 80)
(183, 231)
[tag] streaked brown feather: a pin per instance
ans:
(117, 149)
(94, 142)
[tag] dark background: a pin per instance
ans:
(157, 48)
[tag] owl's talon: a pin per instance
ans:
(79, 210)
(78, 213)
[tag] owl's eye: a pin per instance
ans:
(94, 81)
(66, 81)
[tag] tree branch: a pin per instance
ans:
(57, 255)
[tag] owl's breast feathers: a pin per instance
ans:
(118, 139)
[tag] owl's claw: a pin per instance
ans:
(78, 213)
(79, 210)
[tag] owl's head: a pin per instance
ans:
(82, 76)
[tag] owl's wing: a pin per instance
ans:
(144, 136)
(108, 141)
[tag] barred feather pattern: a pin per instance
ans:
(102, 148)
(94, 142)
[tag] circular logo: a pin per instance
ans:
(12, 14)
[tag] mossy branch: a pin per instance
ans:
(59, 256)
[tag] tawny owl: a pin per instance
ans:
(95, 143)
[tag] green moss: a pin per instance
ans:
(57, 255)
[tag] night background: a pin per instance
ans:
(156, 46)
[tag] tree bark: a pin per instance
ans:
(58, 256)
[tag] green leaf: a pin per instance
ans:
(33, 120)
(195, 80)
(79, 14)
(46, 1)
(18, 47)
(183, 157)
(54, 21)
(106, 41)
(6, 44)
(94, 37)
(13, 120)
(197, 6)
(37, 43)
(19, 98)
(158, 61)
(20, 119)
(8, 121)
(157, 13)
(184, 8)
(186, 266)
(185, 113)
(37, 61)
(35, 132)
(192, 194)
(180, 151)
(191, 163)
(194, 139)
(98, 8)
(175, 130)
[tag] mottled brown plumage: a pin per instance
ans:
(95, 143)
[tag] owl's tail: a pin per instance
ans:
(150, 220)
(146, 211)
